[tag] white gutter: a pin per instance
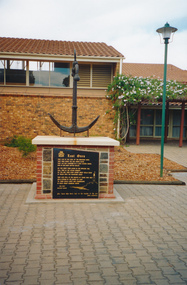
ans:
(49, 57)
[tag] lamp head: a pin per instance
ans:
(166, 31)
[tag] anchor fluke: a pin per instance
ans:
(73, 129)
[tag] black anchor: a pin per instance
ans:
(74, 128)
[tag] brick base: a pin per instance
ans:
(44, 189)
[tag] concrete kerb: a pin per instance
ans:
(19, 181)
(151, 182)
(22, 181)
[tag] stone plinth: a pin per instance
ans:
(45, 162)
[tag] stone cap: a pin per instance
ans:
(89, 141)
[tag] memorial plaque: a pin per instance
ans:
(75, 174)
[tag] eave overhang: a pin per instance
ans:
(55, 57)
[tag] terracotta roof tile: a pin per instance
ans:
(155, 70)
(49, 47)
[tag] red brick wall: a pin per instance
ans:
(27, 115)
(39, 171)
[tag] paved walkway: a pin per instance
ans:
(142, 240)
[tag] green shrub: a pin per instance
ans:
(13, 142)
(24, 144)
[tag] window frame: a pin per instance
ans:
(170, 124)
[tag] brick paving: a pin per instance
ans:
(142, 240)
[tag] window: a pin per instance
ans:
(15, 71)
(84, 73)
(176, 124)
(59, 75)
(39, 73)
(133, 131)
(94, 75)
(54, 74)
(101, 75)
(158, 123)
(49, 74)
(147, 119)
(151, 124)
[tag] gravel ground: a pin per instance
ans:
(128, 166)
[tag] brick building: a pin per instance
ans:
(35, 78)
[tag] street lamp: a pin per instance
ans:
(166, 32)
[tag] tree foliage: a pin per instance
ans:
(125, 91)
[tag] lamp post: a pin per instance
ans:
(166, 32)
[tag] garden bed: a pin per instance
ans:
(128, 166)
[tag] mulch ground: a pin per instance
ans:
(142, 166)
(128, 166)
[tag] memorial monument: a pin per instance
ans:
(74, 167)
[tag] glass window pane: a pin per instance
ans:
(176, 132)
(158, 117)
(132, 131)
(177, 122)
(176, 117)
(38, 73)
(158, 131)
(16, 64)
(184, 132)
(146, 131)
(2, 72)
(15, 72)
(60, 73)
(147, 117)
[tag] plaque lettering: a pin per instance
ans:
(75, 174)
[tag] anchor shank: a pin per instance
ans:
(74, 106)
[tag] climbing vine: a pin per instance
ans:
(126, 91)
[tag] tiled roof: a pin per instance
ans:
(155, 70)
(61, 48)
